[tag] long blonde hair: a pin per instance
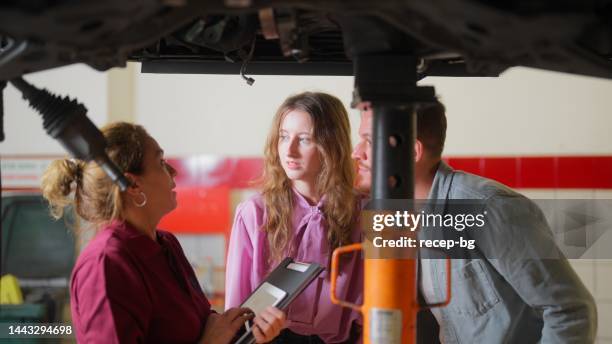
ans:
(333, 139)
(85, 187)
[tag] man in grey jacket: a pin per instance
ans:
(509, 290)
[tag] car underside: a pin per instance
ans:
(446, 37)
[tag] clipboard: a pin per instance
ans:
(289, 276)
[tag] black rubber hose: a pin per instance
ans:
(66, 120)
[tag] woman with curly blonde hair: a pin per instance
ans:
(306, 209)
(132, 283)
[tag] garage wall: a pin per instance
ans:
(220, 114)
(527, 112)
(487, 116)
(213, 114)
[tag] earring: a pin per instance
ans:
(144, 200)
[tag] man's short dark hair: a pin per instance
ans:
(431, 127)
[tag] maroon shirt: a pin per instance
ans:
(127, 288)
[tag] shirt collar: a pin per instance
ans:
(303, 203)
(137, 242)
(440, 187)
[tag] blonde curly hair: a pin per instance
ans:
(85, 187)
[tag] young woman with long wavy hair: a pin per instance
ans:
(306, 209)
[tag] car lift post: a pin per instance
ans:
(387, 83)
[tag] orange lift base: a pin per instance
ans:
(390, 299)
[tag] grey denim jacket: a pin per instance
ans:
(515, 297)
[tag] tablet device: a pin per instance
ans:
(279, 289)
(265, 296)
